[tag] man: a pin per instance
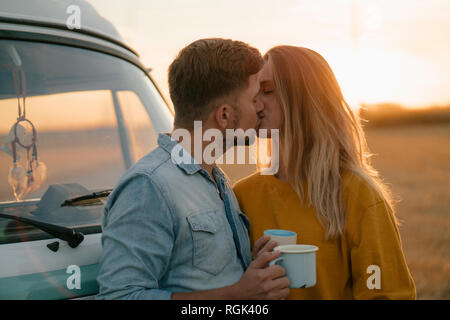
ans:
(173, 229)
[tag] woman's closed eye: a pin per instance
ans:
(267, 89)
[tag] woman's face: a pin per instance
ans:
(271, 114)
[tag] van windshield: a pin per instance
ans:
(72, 121)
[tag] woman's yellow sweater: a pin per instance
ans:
(346, 267)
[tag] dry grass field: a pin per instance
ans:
(415, 161)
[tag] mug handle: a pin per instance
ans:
(275, 261)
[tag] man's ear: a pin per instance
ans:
(224, 116)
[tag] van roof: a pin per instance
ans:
(56, 13)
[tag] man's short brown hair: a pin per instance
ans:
(205, 73)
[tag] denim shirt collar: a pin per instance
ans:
(167, 143)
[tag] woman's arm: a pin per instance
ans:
(378, 265)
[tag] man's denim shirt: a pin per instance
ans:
(165, 230)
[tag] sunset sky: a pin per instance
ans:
(380, 50)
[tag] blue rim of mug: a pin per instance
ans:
(279, 233)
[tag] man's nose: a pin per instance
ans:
(259, 105)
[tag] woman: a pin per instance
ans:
(325, 189)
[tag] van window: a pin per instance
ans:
(77, 140)
(86, 118)
(141, 136)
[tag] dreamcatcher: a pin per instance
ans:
(23, 134)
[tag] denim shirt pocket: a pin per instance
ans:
(211, 246)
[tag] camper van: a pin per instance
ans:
(77, 109)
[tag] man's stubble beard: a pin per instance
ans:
(236, 120)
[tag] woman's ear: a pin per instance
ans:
(223, 116)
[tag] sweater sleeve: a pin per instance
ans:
(378, 265)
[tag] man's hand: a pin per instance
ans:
(263, 244)
(262, 282)
(259, 282)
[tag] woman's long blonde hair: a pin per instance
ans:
(320, 136)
